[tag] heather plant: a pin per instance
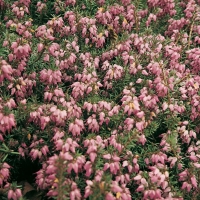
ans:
(100, 99)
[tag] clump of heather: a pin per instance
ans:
(101, 97)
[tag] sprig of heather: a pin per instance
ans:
(104, 98)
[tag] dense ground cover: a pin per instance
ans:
(100, 99)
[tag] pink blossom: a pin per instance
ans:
(88, 168)
(140, 125)
(193, 181)
(76, 127)
(109, 196)
(11, 194)
(93, 156)
(40, 47)
(186, 186)
(93, 124)
(173, 160)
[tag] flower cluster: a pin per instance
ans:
(102, 96)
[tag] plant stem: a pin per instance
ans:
(9, 151)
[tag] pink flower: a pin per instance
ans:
(142, 139)
(107, 156)
(115, 187)
(165, 106)
(109, 196)
(194, 181)
(18, 192)
(46, 58)
(140, 125)
(92, 123)
(173, 160)
(15, 195)
(50, 77)
(6, 71)
(45, 150)
(40, 47)
(44, 121)
(76, 127)
(73, 166)
(186, 186)
(75, 194)
(92, 156)
(10, 194)
(7, 122)
(35, 153)
(4, 172)
(129, 123)
(88, 168)
(197, 165)
(138, 177)
(88, 189)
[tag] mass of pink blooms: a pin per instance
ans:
(104, 96)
